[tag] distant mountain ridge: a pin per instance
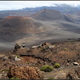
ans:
(64, 8)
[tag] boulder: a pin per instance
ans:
(76, 63)
(34, 46)
(18, 46)
(17, 59)
(25, 72)
(46, 43)
(68, 64)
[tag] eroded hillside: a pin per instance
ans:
(64, 53)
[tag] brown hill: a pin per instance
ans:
(14, 27)
(47, 14)
(15, 24)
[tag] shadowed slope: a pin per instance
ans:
(14, 24)
(13, 27)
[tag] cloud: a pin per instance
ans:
(13, 5)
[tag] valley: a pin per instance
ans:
(40, 43)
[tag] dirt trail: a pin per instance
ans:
(59, 70)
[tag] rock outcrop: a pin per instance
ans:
(62, 53)
(25, 72)
(18, 46)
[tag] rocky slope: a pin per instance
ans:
(64, 53)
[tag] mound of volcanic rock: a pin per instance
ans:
(60, 52)
(25, 72)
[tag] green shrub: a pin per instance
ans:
(17, 56)
(27, 62)
(41, 48)
(46, 68)
(56, 65)
(65, 49)
(14, 78)
(4, 70)
(17, 53)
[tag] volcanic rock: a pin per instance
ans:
(25, 72)
(46, 43)
(17, 59)
(75, 63)
(17, 46)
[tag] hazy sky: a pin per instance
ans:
(13, 5)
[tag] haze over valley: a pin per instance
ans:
(35, 27)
